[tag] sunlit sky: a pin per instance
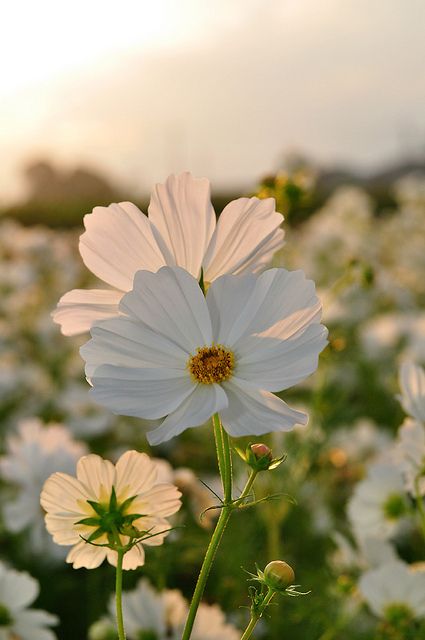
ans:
(223, 88)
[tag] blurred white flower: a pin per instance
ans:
(370, 552)
(83, 417)
(103, 499)
(181, 355)
(391, 330)
(410, 451)
(412, 385)
(394, 585)
(357, 443)
(181, 231)
(162, 615)
(17, 591)
(31, 457)
(379, 504)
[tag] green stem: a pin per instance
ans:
(118, 596)
(256, 615)
(420, 505)
(225, 467)
(247, 488)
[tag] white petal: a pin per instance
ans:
(135, 473)
(97, 475)
(205, 400)
(18, 589)
(255, 412)
(143, 393)
(412, 384)
(172, 304)
(274, 364)
(125, 342)
(79, 309)
(61, 495)
(132, 559)
(119, 241)
(29, 625)
(182, 213)
(162, 500)
(86, 555)
(277, 303)
(62, 528)
(246, 237)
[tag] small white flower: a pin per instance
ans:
(412, 385)
(410, 451)
(181, 355)
(104, 499)
(394, 585)
(379, 504)
(17, 592)
(181, 231)
(162, 616)
(31, 457)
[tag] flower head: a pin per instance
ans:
(109, 505)
(180, 356)
(394, 584)
(161, 616)
(17, 592)
(379, 504)
(181, 231)
(32, 455)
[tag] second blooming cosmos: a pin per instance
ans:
(177, 355)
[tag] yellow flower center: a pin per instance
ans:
(211, 364)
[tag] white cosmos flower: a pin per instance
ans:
(412, 385)
(32, 455)
(181, 231)
(17, 591)
(410, 451)
(181, 355)
(161, 615)
(394, 585)
(379, 504)
(99, 496)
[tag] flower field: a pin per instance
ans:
(344, 506)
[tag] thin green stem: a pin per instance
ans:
(118, 596)
(256, 615)
(225, 467)
(420, 504)
(247, 488)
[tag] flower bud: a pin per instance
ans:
(259, 456)
(102, 630)
(278, 575)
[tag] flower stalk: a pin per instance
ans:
(256, 613)
(118, 596)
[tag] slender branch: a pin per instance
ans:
(118, 596)
(225, 467)
(256, 615)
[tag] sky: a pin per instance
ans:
(226, 88)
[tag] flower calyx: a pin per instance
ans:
(259, 457)
(111, 519)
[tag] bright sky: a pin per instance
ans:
(224, 88)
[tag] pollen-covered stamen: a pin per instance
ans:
(211, 364)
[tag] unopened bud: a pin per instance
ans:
(259, 456)
(102, 630)
(261, 450)
(278, 575)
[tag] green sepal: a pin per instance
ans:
(91, 522)
(100, 510)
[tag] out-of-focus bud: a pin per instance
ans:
(259, 456)
(278, 575)
(102, 630)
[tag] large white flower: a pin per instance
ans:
(104, 499)
(32, 455)
(379, 504)
(181, 355)
(161, 616)
(394, 585)
(181, 231)
(412, 385)
(410, 451)
(17, 592)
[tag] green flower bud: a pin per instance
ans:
(278, 575)
(259, 456)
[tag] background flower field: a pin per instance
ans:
(368, 262)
